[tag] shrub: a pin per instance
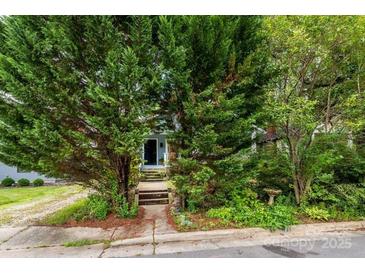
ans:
(247, 210)
(343, 201)
(23, 182)
(6, 182)
(98, 207)
(182, 220)
(38, 182)
(316, 213)
(224, 213)
(126, 211)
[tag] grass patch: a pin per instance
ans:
(15, 196)
(65, 214)
(84, 242)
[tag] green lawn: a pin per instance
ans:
(17, 195)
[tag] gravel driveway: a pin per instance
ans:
(32, 212)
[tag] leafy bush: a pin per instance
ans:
(38, 182)
(343, 201)
(23, 182)
(316, 213)
(6, 182)
(272, 168)
(224, 213)
(98, 207)
(332, 161)
(247, 210)
(181, 219)
(126, 211)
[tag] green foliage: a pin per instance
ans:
(247, 210)
(317, 68)
(120, 204)
(23, 182)
(98, 207)
(6, 182)
(101, 71)
(84, 242)
(333, 161)
(343, 201)
(124, 210)
(77, 210)
(38, 182)
(213, 93)
(316, 213)
(181, 219)
(271, 168)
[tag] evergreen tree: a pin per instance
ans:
(212, 81)
(74, 96)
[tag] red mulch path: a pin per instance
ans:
(111, 221)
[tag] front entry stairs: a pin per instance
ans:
(152, 190)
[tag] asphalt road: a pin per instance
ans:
(348, 246)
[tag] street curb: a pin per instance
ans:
(246, 233)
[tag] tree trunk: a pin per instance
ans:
(299, 182)
(328, 113)
(300, 187)
(123, 175)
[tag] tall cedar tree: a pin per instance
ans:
(74, 96)
(212, 81)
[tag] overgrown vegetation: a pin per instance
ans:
(250, 102)
(95, 207)
(306, 130)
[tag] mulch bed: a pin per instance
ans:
(111, 221)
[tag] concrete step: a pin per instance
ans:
(152, 190)
(156, 201)
(152, 175)
(153, 195)
(153, 179)
(152, 171)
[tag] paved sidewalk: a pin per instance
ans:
(47, 241)
(35, 241)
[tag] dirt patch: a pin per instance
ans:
(111, 221)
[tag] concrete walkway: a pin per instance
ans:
(36, 241)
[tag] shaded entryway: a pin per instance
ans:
(150, 152)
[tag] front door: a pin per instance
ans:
(150, 152)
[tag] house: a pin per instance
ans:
(17, 173)
(156, 152)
